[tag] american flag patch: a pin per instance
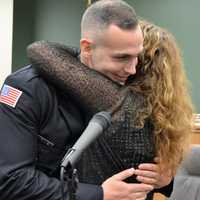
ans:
(10, 95)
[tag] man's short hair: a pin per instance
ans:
(99, 15)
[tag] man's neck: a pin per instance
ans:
(84, 60)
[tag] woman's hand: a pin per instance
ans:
(149, 173)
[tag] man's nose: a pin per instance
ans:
(131, 68)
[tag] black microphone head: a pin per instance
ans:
(103, 118)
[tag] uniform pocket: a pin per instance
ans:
(49, 157)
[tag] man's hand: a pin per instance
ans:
(149, 173)
(114, 188)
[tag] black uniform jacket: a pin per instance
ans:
(34, 136)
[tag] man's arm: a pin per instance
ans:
(19, 178)
(116, 189)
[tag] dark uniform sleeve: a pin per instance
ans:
(19, 178)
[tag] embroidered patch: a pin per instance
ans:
(10, 95)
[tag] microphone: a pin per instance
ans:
(99, 122)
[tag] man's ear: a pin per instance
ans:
(85, 46)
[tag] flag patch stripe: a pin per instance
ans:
(10, 95)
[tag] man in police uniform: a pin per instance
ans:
(38, 122)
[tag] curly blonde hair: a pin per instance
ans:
(161, 79)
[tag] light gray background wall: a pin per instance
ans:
(59, 20)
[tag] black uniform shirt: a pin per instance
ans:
(34, 135)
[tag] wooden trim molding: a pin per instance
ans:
(196, 123)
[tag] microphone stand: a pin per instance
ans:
(96, 126)
(69, 174)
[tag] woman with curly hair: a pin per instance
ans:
(152, 112)
(161, 78)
